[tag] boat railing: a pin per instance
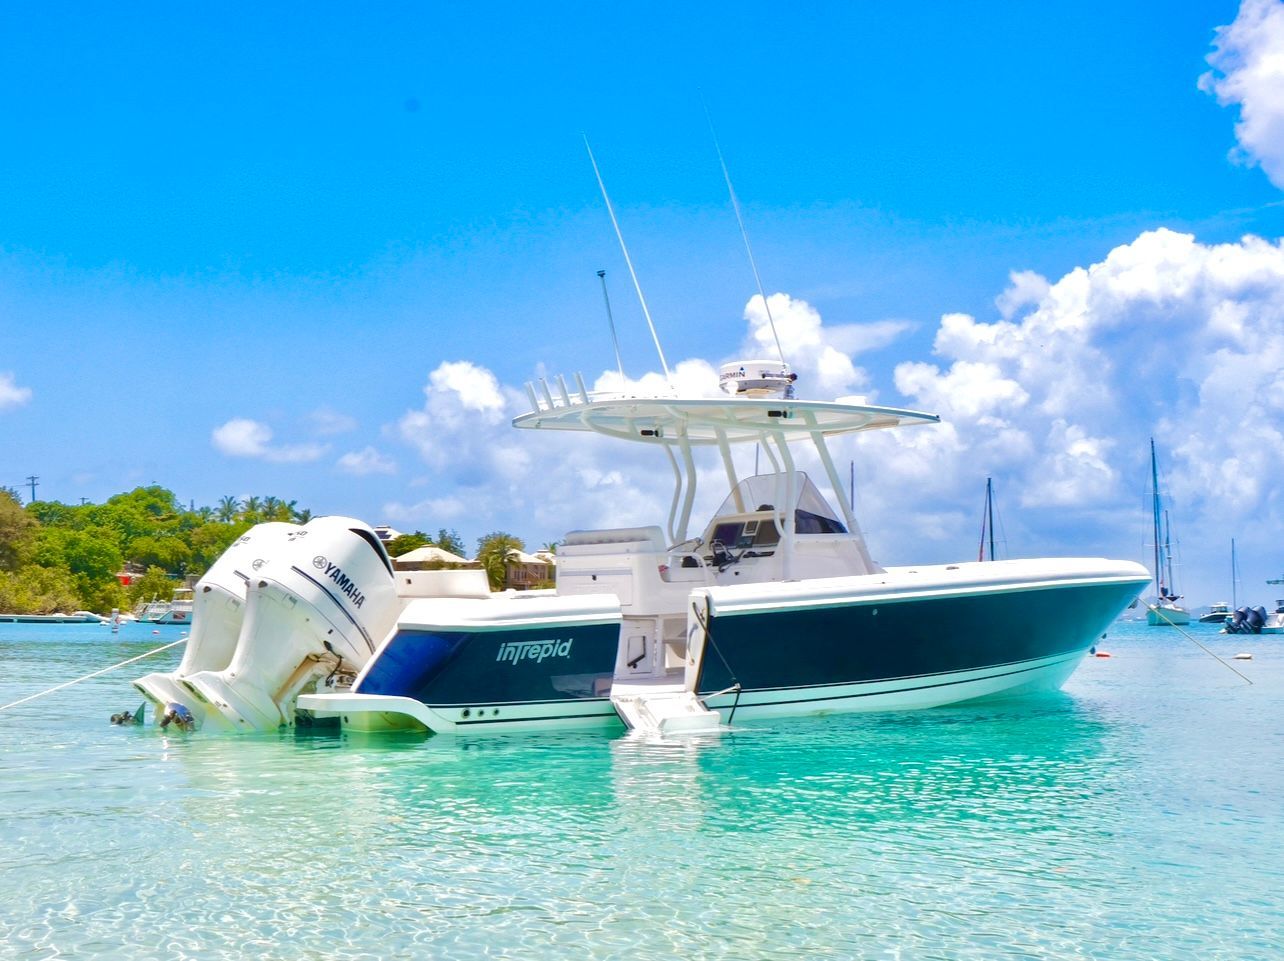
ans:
(558, 395)
(685, 566)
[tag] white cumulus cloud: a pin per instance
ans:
(1165, 336)
(1248, 72)
(366, 461)
(327, 423)
(243, 437)
(11, 395)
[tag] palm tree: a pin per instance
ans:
(303, 516)
(251, 508)
(228, 508)
(285, 511)
(270, 506)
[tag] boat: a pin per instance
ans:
(78, 617)
(1274, 622)
(1164, 611)
(177, 610)
(1216, 613)
(1257, 620)
(773, 608)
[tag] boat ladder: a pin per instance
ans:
(662, 709)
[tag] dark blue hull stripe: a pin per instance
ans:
(338, 604)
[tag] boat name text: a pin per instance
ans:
(515, 651)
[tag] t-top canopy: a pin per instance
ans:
(663, 420)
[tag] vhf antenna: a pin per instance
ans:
(601, 274)
(735, 204)
(628, 260)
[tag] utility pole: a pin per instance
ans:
(33, 480)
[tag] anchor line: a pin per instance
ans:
(1158, 610)
(59, 687)
(735, 683)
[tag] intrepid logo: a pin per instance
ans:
(515, 651)
(341, 580)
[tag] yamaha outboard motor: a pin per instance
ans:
(1246, 620)
(322, 603)
(218, 610)
(1257, 619)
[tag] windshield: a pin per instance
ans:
(763, 491)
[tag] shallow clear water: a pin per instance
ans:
(1137, 815)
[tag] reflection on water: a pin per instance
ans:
(1127, 818)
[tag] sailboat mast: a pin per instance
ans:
(989, 512)
(987, 523)
(1158, 533)
(1168, 550)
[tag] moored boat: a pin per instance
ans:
(1164, 611)
(774, 608)
(1216, 613)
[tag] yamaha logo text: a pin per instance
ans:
(516, 651)
(341, 580)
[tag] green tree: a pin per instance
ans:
(167, 553)
(155, 501)
(404, 543)
(38, 590)
(100, 596)
(492, 555)
(153, 584)
(208, 541)
(16, 528)
(450, 541)
(228, 509)
(92, 553)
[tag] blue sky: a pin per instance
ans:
(314, 252)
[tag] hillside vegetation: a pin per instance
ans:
(63, 557)
(58, 557)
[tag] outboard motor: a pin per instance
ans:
(1257, 619)
(218, 610)
(322, 603)
(1246, 620)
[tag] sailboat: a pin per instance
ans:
(1165, 611)
(1219, 611)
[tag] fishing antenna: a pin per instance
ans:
(735, 205)
(601, 275)
(628, 260)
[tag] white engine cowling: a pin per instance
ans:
(218, 611)
(323, 601)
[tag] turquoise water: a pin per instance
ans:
(1136, 815)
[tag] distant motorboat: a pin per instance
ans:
(177, 610)
(79, 617)
(1216, 614)
(1257, 620)
(1164, 611)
